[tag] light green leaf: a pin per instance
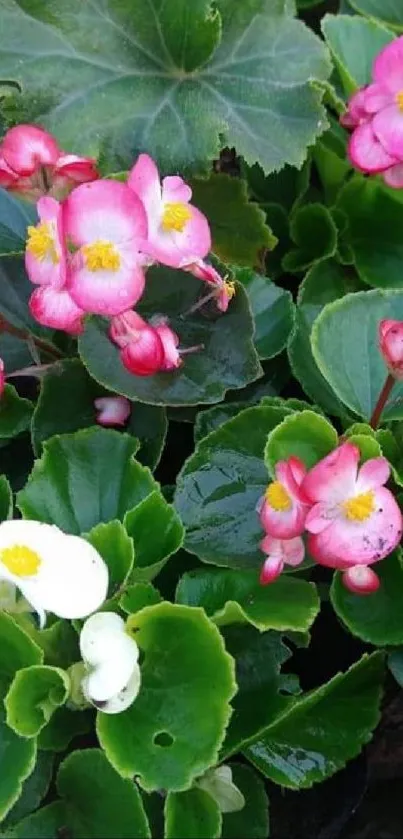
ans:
(157, 533)
(33, 697)
(113, 807)
(306, 435)
(17, 650)
(345, 347)
(101, 483)
(272, 309)
(220, 486)
(15, 413)
(205, 376)
(157, 740)
(354, 43)
(17, 761)
(116, 548)
(324, 729)
(235, 596)
(33, 790)
(387, 11)
(315, 236)
(146, 71)
(253, 820)
(192, 813)
(6, 499)
(377, 618)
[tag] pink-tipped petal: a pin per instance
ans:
(144, 357)
(55, 308)
(271, 569)
(283, 524)
(2, 377)
(298, 469)
(49, 268)
(25, 148)
(170, 342)
(373, 474)
(7, 175)
(320, 516)
(107, 292)
(387, 126)
(374, 98)
(390, 337)
(388, 66)
(105, 211)
(144, 180)
(175, 190)
(112, 410)
(77, 169)
(366, 152)
(345, 543)
(356, 111)
(125, 328)
(293, 551)
(361, 579)
(203, 271)
(393, 177)
(176, 249)
(333, 478)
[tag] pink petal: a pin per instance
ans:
(345, 543)
(388, 129)
(283, 524)
(393, 177)
(175, 190)
(320, 516)
(298, 469)
(373, 474)
(333, 479)
(27, 147)
(176, 249)
(56, 309)
(293, 551)
(144, 180)
(375, 97)
(45, 271)
(366, 152)
(361, 579)
(203, 271)
(112, 410)
(170, 341)
(104, 211)
(7, 175)
(356, 111)
(2, 377)
(388, 66)
(77, 169)
(391, 346)
(125, 328)
(271, 569)
(107, 292)
(145, 356)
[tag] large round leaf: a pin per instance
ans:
(175, 727)
(135, 77)
(354, 43)
(388, 11)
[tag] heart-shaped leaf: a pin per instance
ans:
(168, 744)
(15, 413)
(305, 434)
(272, 309)
(157, 533)
(34, 695)
(354, 43)
(145, 67)
(387, 11)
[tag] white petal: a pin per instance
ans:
(106, 646)
(123, 699)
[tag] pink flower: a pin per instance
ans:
(170, 342)
(356, 111)
(106, 221)
(54, 307)
(112, 410)
(391, 346)
(32, 164)
(361, 579)
(178, 233)
(280, 552)
(283, 508)
(354, 520)
(224, 290)
(46, 255)
(141, 348)
(2, 377)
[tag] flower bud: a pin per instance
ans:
(391, 346)
(112, 410)
(361, 579)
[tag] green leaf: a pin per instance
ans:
(238, 229)
(324, 283)
(59, 641)
(285, 188)
(220, 486)
(258, 702)
(235, 596)
(315, 235)
(387, 11)
(324, 729)
(15, 413)
(375, 231)
(14, 351)
(192, 813)
(138, 596)
(157, 533)
(253, 819)
(33, 790)
(47, 823)
(112, 541)
(113, 807)
(395, 664)
(205, 376)
(66, 404)
(368, 446)
(34, 695)
(6, 499)
(15, 291)
(345, 347)
(146, 71)
(15, 216)
(376, 618)
(306, 435)
(354, 43)
(17, 650)
(17, 761)
(155, 739)
(101, 483)
(272, 309)
(63, 726)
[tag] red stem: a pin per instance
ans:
(382, 400)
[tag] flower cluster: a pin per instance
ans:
(95, 239)
(350, 518)
(375, 114)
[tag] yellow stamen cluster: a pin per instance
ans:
(361, 507)
(20, 560)
(399, 100)
(175, 217)
(41, 244)
(230, 289)
(101, 256)
(278, 498)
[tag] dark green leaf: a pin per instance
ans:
(47, 823)
(17, 761)
(387, 11)
(15, 413)
(315, 235)
(33, 791)
(253, 820)
(272, 309)
(157, 533)
(193, 813)
(63, 727)
(15, 216)
(17, 650)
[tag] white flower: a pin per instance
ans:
(55, 572)
(111, 657)
(219, 784)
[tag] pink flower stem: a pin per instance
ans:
(5, 326)
(34, 370)
(382, 400)
(190, 350)
(201, 302)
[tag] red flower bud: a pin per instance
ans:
(391, 346)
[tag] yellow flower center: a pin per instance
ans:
(175, 217)
(278, 498)
(399, 100)
(41, 243)
(20, 560)
(230, 289)
(360, 507)
(101, 256)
